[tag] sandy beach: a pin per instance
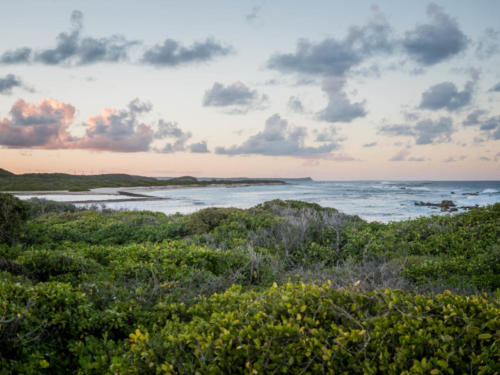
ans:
(129, 194)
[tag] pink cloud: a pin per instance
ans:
(38, 126)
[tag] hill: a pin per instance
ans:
(5, 173)
(63, 181)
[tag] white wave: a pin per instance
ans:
(489, 191)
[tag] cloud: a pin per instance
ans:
(427, 44)
(170, 130)
(488, 126)
(295, 105)
(237, 97)
(451, 159)
(424, 132)
(254, 13)
(473, 117)
(339, 108)
(17, 56)
(489, 44)
(42, 126)
(278, 139)
(118, 130)
(445, 95)
(9, 82)
(495, 88)
(328, 134)
(335, 57)
(371, 144)
(439, 40)
(199, 148)
(45, 126)
(416, 159)
(400, 156)
(73, 49)
(170, 53)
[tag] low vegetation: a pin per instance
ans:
(62, 181)
(283, 287)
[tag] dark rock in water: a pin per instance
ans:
(445, 205)
(476, 193)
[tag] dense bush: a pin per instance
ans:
(40, 207)
(100, 291)
(13, 213)
(299, 329)
(106, 227)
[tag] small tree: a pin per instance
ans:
(13, 213)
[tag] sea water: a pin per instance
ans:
(382, 201)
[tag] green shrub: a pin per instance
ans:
(38, 324)
(299, 329)
(45, 265)
(13, 213)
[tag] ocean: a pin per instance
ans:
(382, 201)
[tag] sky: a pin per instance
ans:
(334, 90)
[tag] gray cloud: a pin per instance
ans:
(400, 156)
(172, 132)
(416, 159)
(254, 13)
(278, 139)
(489, 44)
(295, 105)
(9, 82)
(339, 108)
(488, 126)
(237, 97)
(335, 57)
(431, 43)
(170, 53)
(451, 159)
(495, 88)
(72, 49)
(328, 134)
(473, 117)
(445, 95)
(371, 144)
(17, 56)
(424, 132)
(427, 44)
(199, 148)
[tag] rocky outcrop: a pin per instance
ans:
(445, 205)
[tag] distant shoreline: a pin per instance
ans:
(131, 192)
